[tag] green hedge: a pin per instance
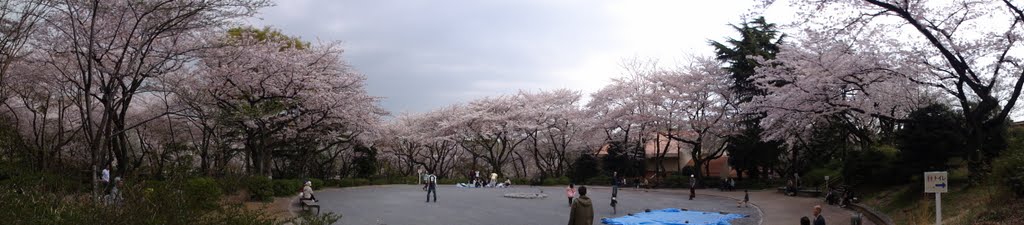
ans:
(260, 188)
(155, 202)
(286, 187)
(1009, 170)
(202, 192)
(520, 181)
(556, 181)
(232, 184)
(599, 180)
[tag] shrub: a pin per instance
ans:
(202, 193)
(520, 181)
(287, 187)
(448, 181)
(360, 182)
(260, 188)
(162, 206)
(599, 180)
(231, 184)
(332, 183)
(1009, 170)
(317, 183)
(556, 181)
(676, 181)
(816, 177)
(318, 219)
(20, 176)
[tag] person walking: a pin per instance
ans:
(581, 212)
(746, 200)
(818, 218)
(431, 185)
(570, 192)
(693, 186)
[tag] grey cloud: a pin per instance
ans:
(421, 55)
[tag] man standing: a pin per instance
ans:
(105, 178)
(431, 185)
(581, 212)
(693, 185)
(615, 182)
(818, 218)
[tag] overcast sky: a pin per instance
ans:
(420, 55)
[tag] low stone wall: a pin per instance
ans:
(875, 216)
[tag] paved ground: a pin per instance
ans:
(781, 209)
(403, 204)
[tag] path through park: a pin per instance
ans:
(404, 204)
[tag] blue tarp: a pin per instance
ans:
(672, 216)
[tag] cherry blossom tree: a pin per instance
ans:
(622, 108)
(966, 50)
(111, 49)
(556, 127)
(816, 80)
(18, 22)
(417, 140)
(277, 98)
(490, 129)
(41, 106)
(697, 108)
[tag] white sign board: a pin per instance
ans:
(936, 182)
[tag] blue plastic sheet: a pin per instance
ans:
(672, 216)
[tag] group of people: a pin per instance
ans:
(728, 185)
(111, 188)
(476, 181)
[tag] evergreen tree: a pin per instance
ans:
(748, 154)
(365, 161)
(932, 137)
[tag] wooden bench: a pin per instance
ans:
(309, 204)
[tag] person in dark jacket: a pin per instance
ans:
(581, 212)
(431, 185)
(818, 218)
(693, 186)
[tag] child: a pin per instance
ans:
(570, 192)
(746, 199)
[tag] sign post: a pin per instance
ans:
(936, 182)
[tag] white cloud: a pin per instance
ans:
(422, 55)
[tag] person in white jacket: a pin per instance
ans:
(307, 192)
